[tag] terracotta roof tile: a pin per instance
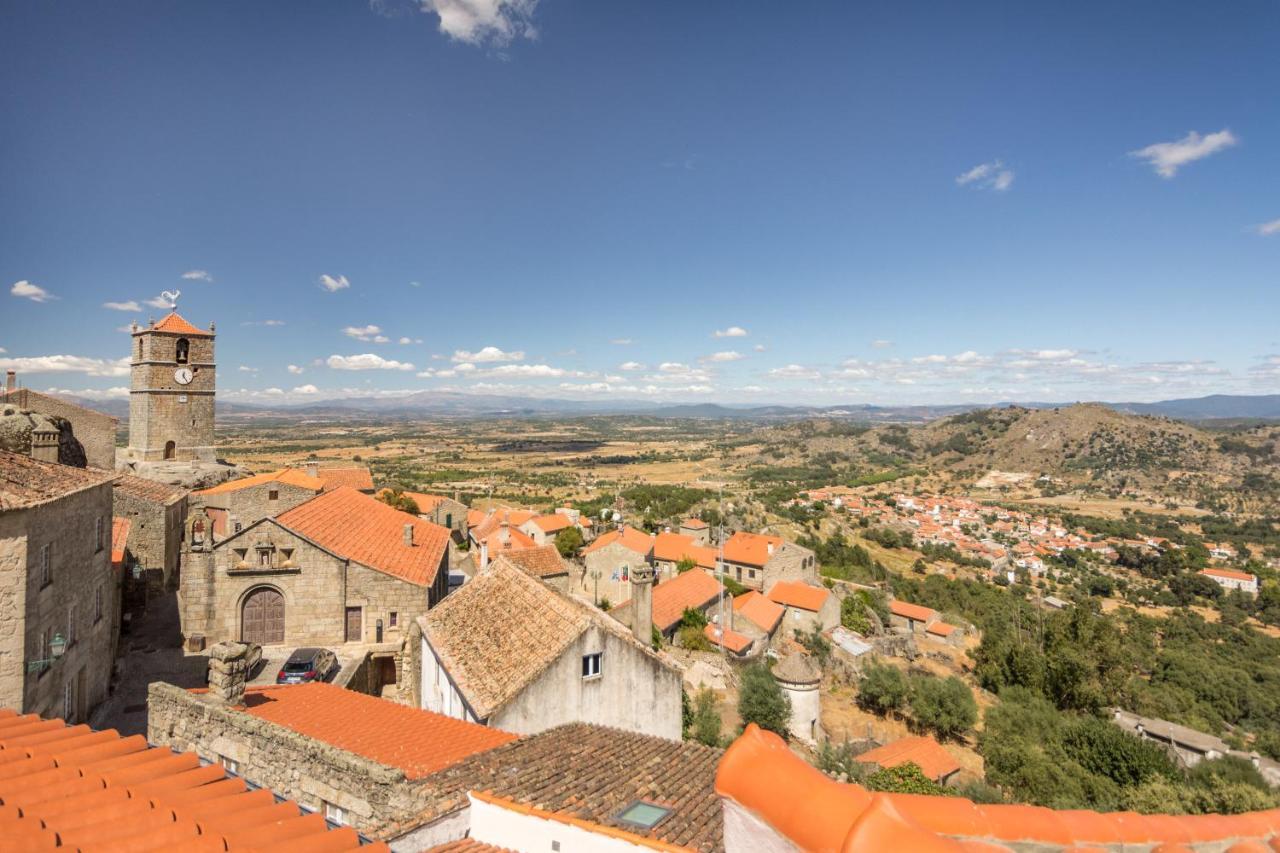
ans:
(553, 523)
(417, 742)
(799, 594)
(750, 549)
(362, 528)
(1229, 574)
(426, 503)
(759, 610)
(541, 561)
(914, 612)
(288, 476)
(941, 629)
(174, 323)
(727, 637)
(674, 547)
(151, 490)
(357, 477)
(628, 537)
(504, 540)
(119, 540)
(694, 524)
(492, 521)
(120, 794)
(26, 482)
(692, 590)
(924, 752)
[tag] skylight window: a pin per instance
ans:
(644, 814)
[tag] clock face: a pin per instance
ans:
(182, 375)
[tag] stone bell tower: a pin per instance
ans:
(171, 397)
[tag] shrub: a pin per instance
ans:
(943, 706)
(568, 541)
(904, 779)
(761, 700)
(882, 689)
(692, 638)
(706, 719)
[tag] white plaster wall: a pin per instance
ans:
(501, 827)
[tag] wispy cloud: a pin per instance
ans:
(621, 342)
(731, 332)
(882, 344)
(369, 334)
(486, 354)
(306, 389)
(295, 369)
(1168, 157)
(987, 176)
(131, 305)
(159, 302)
(334, 283)
(67, 364)
(27, 290)
(727, 355)
(263, 323)
(631, 366)
(366, 361)
(197, 275)
(794, 371)
(1266, 229)
(408, 340)
(485, 22)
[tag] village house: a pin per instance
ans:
(449, 513)
(544, 563)
(913, 617)
(157, 513)
(341, 568)
(483, 524)
(697, 530)
(945, 633)
(670, 549)
(508, 651)
(60, 625)
(694, 590)
(808, 608)
(758, 561)
(923, 751)
(1229, 580)
(94, 431)
(356, 477)
(236, 504)
(543, 529)
(755, 614)
(737, 644)
(609, 561)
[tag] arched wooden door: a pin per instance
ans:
(170, 450)
(263, 618)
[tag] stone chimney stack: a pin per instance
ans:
(44, 445)
(313, 469)
(484, 555)
(642, 603)
(228, 671)
(10, 381)
(408, 535)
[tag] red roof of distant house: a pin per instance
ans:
(694, 524)
(914, 612)
(553, 523)
(507, 539)
(357, 478)
(288, 476)
(942, 629)
(729, 639)
(415, 741)
(362, 528)
(759, 610)
(628, 537)
(72, 788)
(426, 503)
(119, 540)
(799, 594)
(174, 322)
(674, 547)
(1229, 574)
(693, 590)
(542, 561)
(751, 549)
(493, 521)
(924, 752)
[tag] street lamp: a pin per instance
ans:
(57, 646)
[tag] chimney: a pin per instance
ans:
(10, 381)
(313, 469)
(504, 535)
(642, 603)
(457, 495)
(228, 670)
(44, 445)
(408, 535)
(484, 554)
(769, 546)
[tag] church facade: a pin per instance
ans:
(171, 396)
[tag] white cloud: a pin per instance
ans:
(479, 22)
(759, 348)
(67, 364)
(197, 275)
(406, 340)
(117, 392)
(246, 369)
(486, 354)
(1168, 157)
(525, 370)
(295, 370)
(794, 371)
(306, 389)
(1268, 228)
(882, 344)
(369, 334)
(631, 365)
(673, 367)
(731, 332)
(621, 342)
(27, 290)
(160, 302)
(726, 355)
(131, 305)
(752, 389)
(987, 176)
(366, 361)
(334, 283)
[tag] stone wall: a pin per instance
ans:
(95, 431)
(790, 562)
(251, 504)
(380, 595)
(376, 797)
(606, 561)
(155, 536)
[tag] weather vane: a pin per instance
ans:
(171, 296)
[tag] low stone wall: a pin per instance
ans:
(378, 800)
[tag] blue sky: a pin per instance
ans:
(892, 202)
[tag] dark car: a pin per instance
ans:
(307, 665)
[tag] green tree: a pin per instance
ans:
(944, 706)
(904, 779)
(706, 718)
(568, 541)
(685, 564)
(761, 700)
(398, 499)
(882, 689)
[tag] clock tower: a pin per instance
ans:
(172, 392)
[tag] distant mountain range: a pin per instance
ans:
(452, 404)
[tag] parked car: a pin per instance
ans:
(307, 664)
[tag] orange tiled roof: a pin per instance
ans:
(426, 503)
(674, 547)
(814, 812)
(119, 539)
(628, 537)
(759, 610)
(360, 527)
(694, 524)
(799, 594)
(914, 612)
(288, 476)
(357, 478)
(924, 752)
(1227, 573)
(493, 521)
(730, 639)
(693, 589)
(76, 789)
(541, 561)
(504, 541)
(417, 742)
(175, 323)
(750, 549)
(942, 629)
(475, 517)
(552, 523)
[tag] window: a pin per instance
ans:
(230, 764)
(335, 813)
(67, 705)
(46, 649)
(45, 579)
(97, 534)
(71, 624)
(643, 814)
(273, 495)
(591, 665)
(751, 573)
(393, 619)
(182, 352)
(97, 603)
(237, 527)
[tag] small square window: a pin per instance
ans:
(591, 665)
(273, 495)
(231, 765)
(393, 619)
(335, 814)
(45, 560)
(97, 534)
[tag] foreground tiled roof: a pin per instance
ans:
(814, 812)
(750, 549)
(674, 547)
(417, 742)
(119, 539)
(26, 482)
(628, 537)
(914, 612)
(151, 490)
(799, 594)
(502, 629)
(593, 772)
(288, 476)
(77, 789)
(362, 528)
(542, 561)
(175, 323)
(924, 752)
(759, 610)
(358, 478)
